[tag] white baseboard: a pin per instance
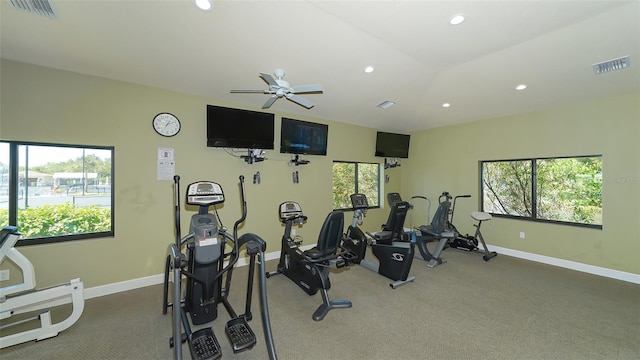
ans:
(108, 289)
(567, 264)
(132, 284)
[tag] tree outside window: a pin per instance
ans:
(54, 192)
(562, 190)
(353, 177)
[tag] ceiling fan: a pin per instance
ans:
(279, 88)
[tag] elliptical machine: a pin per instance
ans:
(203, 267)
(394, 257)
(309, 269)
(467, 242)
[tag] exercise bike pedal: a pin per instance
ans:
(240, 334)
(204, 345)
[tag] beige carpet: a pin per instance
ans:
(464, 309)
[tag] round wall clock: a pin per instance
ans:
(166, 124)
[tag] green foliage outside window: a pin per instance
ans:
(60, 220)
(56, 192)
(555, 189)
(351, 177)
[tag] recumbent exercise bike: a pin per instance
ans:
(394, 254)
(309, 269)
(203, 267)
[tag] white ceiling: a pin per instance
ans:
(420, 60)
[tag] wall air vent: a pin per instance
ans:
(38, 7)
(611, 65)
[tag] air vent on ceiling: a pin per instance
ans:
(386, 104)
(611, 65)
(38, 7)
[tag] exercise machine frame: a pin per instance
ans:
(394, 257)
(467, 242)
(204, 272)
(309, 269)
(25, 297)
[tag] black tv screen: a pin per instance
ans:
(303, 137)
(392, 145)
(237, 128)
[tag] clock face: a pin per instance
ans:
(166, 124)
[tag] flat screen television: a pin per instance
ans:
(392, 145)
(303, 137)
(237, 128)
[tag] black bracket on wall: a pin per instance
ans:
(254, 155)
(391, 163)
(297, 161)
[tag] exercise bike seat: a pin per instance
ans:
(314, 253)
(481, 216)
(383, 237)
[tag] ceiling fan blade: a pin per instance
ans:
(299, 100)
(270, 102)
(248, 91)
(269, 79)
(307, 88)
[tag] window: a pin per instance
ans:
(561, 190)
(352, 177)
(54, 192)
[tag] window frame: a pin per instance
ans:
(13, 193)
(355, 180)
(534, 191)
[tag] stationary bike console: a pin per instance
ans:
(290, 210)
(359, 201)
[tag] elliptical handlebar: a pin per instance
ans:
(236, 243)
(176, 202)
(244, 208)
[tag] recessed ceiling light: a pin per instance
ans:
(446, 105)
(456, 19)
(368, 69)
(521, 87)
(386, 104)
(203, 4)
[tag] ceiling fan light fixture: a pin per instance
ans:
(386, 104)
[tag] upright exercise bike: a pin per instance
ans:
(394, 255)
(309, 269)
(203, 267)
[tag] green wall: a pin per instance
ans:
(45, 105)
(446, 159)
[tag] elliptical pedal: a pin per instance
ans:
(204, 345)
(240, 334)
